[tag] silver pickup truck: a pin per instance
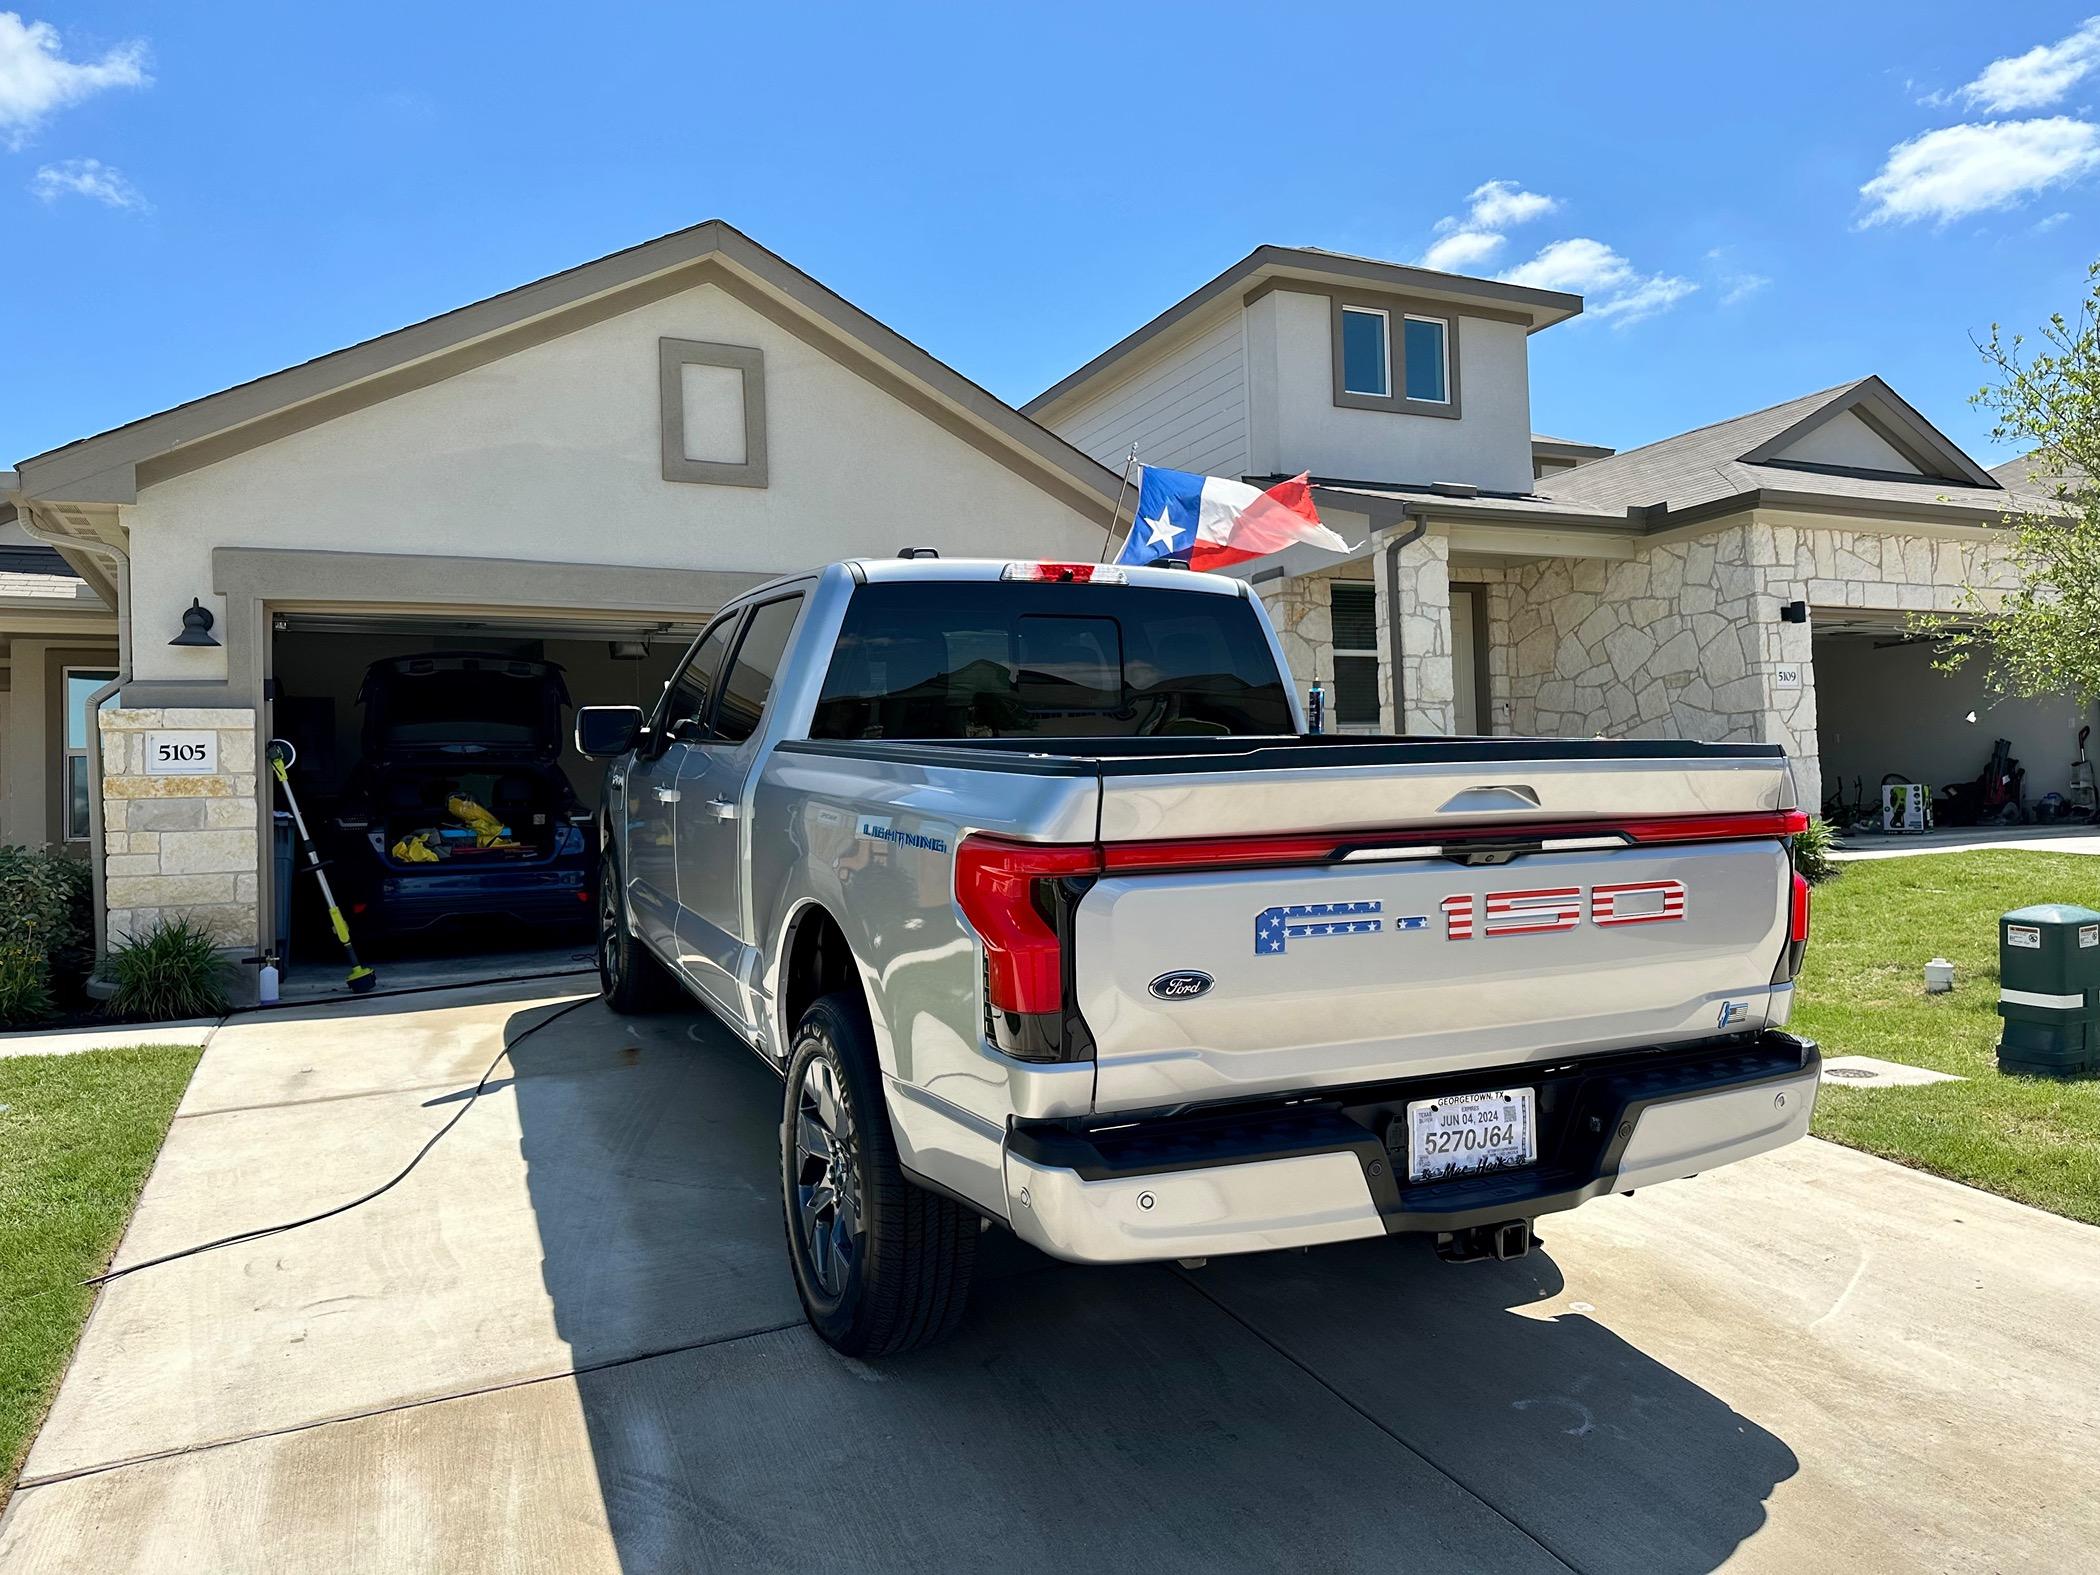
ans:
(1031, 883)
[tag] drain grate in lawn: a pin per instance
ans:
(77, 1135)
(1863, 994)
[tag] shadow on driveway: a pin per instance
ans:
(1356, 1407)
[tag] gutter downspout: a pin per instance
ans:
(1391, 549)
(25, 514)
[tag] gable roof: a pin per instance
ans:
(111, 466)
(1737, 463)
(1310, 264)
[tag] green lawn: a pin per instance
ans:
(77, 1135)
(1863, 993)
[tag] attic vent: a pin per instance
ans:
(1454, 489)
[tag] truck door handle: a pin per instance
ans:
(721, 809)
(666, 795)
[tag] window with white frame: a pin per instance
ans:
(1353, 609)
(80, 683)
(1426, 356)
(1367, 359)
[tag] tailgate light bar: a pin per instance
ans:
(1066, 573)
(1010, 891)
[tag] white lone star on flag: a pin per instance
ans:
(1162, 531)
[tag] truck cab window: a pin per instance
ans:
(956, 659)
(694, 687)
(750, 681)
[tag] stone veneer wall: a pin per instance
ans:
(180, 846)
(1300, 609)
(1426, 683)
(1683, 641)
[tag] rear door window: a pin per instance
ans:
(971, 659)
(757, 665)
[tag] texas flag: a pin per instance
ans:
(1209, 522)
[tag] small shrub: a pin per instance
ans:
(1813, 849)
(173, 970)
(25, 987)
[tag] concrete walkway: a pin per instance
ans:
(69, 1041)
(1969, 839)
(569, 1341)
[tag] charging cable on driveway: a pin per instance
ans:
(344, 1208)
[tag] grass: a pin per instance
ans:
(1862, 992)
(77, 1135)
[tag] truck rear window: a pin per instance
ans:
(975, 659)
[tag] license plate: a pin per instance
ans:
(1460, 1134)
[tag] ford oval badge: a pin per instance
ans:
(1185, 985)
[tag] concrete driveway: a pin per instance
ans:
(569, 1341)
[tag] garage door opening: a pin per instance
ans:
(1883, 710)
(436, 766)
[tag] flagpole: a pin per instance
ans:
(1110, 539)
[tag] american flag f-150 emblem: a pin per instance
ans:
(1543, 910)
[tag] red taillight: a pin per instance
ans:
(1797, 923)
(995, 882)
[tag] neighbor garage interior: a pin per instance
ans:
(1884, 708)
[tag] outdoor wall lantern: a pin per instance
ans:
(196, 625)
(1789, 612)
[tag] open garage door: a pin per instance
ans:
(1884, 710)
(437, 769)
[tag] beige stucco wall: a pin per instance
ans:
(1295, 424)
(553, 453)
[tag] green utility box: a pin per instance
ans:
(2049, 991)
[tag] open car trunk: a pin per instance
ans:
(440, 816)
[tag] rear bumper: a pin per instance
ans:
(1251, 1180)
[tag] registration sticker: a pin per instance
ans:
(1459, 1134)
(2089, 935)
(2027, 935)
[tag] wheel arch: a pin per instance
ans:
(817, 959)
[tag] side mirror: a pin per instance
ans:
(603, 731)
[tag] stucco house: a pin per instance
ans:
(1748, 580)
(584, 468)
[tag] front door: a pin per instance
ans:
(714, 808)
(651, 793)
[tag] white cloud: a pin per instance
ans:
(1461, 249)
(1959, 170)
(1737, 288)
(36, 80)
(1656, 293)
(2041, 76)
(1497, 204)
(1613, 288)
(89, 178)
(2043, 226)
(1469, 239)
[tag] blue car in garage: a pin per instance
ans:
(458, 809)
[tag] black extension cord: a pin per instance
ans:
(344, 1208)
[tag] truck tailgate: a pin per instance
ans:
(1559, 915)
(1366, 972)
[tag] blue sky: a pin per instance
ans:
(196, 195)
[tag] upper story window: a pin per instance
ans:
(1395, 354)
(1367, 360)
(1426, 354)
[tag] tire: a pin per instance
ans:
(630, 979)
(882, 1266)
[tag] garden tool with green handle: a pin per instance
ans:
(282, 755)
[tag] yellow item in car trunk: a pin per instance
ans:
(415, 849)
(489, 832)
